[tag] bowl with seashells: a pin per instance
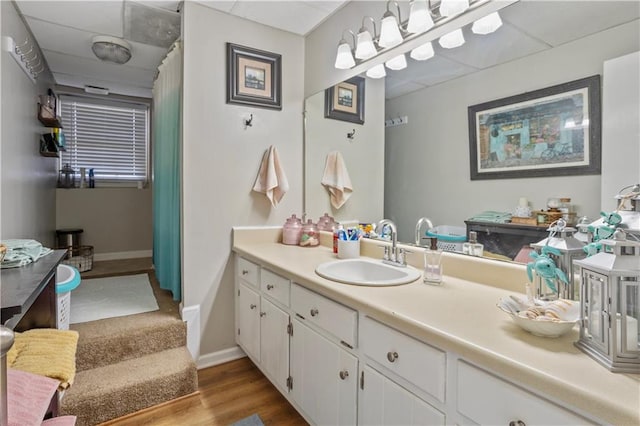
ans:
(542, 318)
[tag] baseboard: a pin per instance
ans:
(220, 357)
(191, 315)
(122, 255)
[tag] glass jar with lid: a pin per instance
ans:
(310, 236)
(564, 206)
(326, 223)
(292, 230)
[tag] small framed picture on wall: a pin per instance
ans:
(253, 77)
(345, 101)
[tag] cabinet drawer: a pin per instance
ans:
(485, 399)
(247, 271)
(335, 318)
(275, 286)
(418, 363)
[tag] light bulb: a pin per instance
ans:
(419, 18)
(452, 39)
(344, 58)
(423, 52)
(397, 63)
(453, 7)
(376, 71)
(365, 48)
(389, 33)
(488, 24)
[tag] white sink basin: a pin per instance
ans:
(367, 272)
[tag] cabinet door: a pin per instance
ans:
(274, 351)
(383, 402)
(324, 377)
(248, 315)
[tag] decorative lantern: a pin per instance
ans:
(610, 304)
(570, 248)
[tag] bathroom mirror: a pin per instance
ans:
(419, 164)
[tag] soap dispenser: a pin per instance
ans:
(473, 247)
(432, 263)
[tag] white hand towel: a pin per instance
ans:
(271, 179)
(336, 179)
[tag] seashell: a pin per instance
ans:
(562, 309)
(533, 312)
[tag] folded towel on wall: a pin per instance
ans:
(28, 397)
(336, 179)
(21, 252)
(271, 180)
(47, 352)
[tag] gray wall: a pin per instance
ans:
(221, 159)
(28, 179)
(114, 220)
(364, 157)
(427, 160)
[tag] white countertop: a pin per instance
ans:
(461, 316)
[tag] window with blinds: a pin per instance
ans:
(112, 138)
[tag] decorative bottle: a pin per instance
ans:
(432, 264)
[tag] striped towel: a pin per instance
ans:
(47, 352)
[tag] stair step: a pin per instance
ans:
(111, 391)
(114, 340)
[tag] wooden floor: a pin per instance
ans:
(227, 393)
(118, 267)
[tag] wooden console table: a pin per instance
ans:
(506, 239)
(28, 294)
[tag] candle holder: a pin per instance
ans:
(610, 304)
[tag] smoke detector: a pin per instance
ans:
(111, 49)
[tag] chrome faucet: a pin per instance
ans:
(397, 255)
(419, 227)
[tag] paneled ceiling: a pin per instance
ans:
(64, 30)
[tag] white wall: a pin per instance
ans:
(221, 159)
(364, 157)
(28, 179)
(427, 167)
(620, 127)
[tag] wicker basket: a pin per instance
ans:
(64, 310)
(81, 258)
(450, 238)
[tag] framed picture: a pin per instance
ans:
(253, 77)
(548, 132)
(345, 101)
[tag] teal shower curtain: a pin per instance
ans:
(167, 172)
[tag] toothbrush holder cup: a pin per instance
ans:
(348, 249)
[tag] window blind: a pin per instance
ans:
(111, 138)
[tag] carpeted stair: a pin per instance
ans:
(129, 363)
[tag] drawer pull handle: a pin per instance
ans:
(245, 272)
(517, 423)
(263, 314)
(269, 286)
(392, 356)
(344, 374)
(253, 306)
(314, 312)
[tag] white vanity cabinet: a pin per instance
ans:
(483, 398)
(323, 371)
(324, 377)
(383, 402)
(262, 326)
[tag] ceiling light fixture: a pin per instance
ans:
(365, 48)
(344, 58)
(376, 71)
(420, 19)
(397, 63)
(453, 7)
(111, 49)
(423, 52)
(488, 24)
(423, 17)
(390, 32)
(452, 39)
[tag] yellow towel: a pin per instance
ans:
(45, 351)
(336, 179)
